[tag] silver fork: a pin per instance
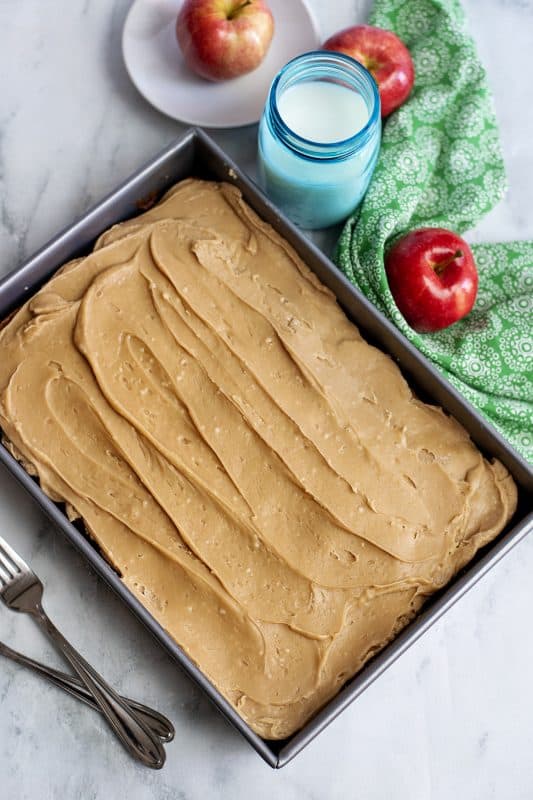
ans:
(21, 590)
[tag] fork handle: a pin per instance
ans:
(160, 725)
(135, 735)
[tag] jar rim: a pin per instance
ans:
(348, 67)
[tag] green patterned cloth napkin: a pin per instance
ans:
(441, 165)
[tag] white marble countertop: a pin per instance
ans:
(452, 718)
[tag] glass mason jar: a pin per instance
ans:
(318, 183)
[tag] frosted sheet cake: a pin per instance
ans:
(263, 480)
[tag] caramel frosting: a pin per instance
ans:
(263, 480)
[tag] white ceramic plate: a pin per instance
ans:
(155, 65)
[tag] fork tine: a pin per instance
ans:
(5, 576)
(6, 563)
(15, 558)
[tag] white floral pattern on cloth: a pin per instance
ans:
(441, 165)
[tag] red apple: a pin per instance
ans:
(386, 58)
(433, 278)
(223, 39)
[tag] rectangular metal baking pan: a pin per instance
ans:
(196, 154)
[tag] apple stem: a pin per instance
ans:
(441, 265)
(233, 14)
